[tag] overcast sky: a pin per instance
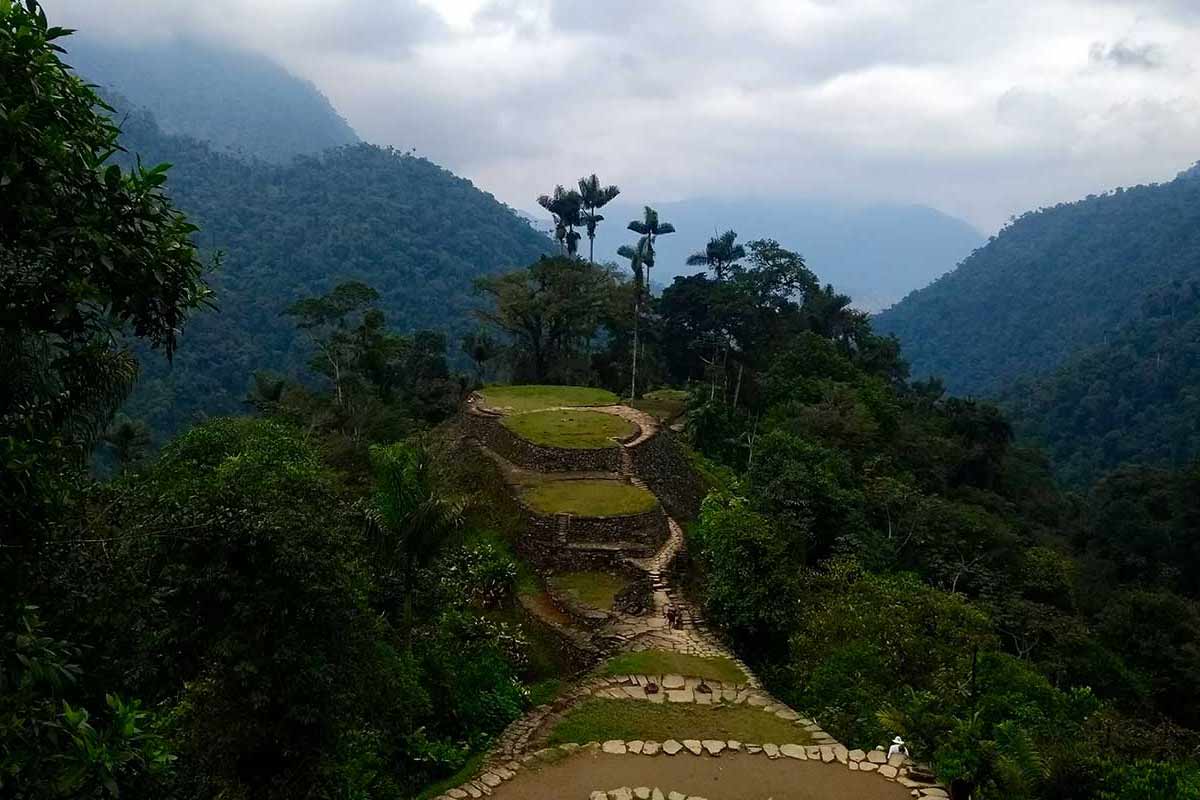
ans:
(980, 108)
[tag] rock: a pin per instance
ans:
(505, 773)
(622, 793)
(681, 696)
(857, 755)
(841, 753)
(635, 746)
(867, 766)
(473, 791)
(635, 692)
(598, 796)
(793, 751)
(569, 747)
(673, 682)
(733, 744)
(934, 791)
(713, 746)
(772, 750)
(671, 747)
(693, 746)
(457, 794)
(614, 746)
(827, 754)
(854, 766)
(757, 700)
(897, 760)
(657, 794)
(642, 793)
(651, 748)
(888, 771)
(676, 796)
(877, 757)
(813, 752)
(754, 749)
(491, 779)
(702, 699)
(788, 714)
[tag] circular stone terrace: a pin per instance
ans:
(669, 713)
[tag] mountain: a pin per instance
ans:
(412, 230)
(1053, 282)
(1133, 399)
(239, 102)
(875, 254)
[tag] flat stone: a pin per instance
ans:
(772, 750)
(703, 699)
(505, 773)
(473, 791)
(827, 754)
(635, 746)
(569, 747)
(671, 747)
(857, 755)
(812, 727)
(693, 746)
(681, 696)
(854, 766)
(673, 682)
(841, 753)
(457, 794)
(888, 771)
(598, 795)
(656, 697)
(642, 793)
(757, 700)
(713, 746)
(733, 744)
(676, 796)
(657, 794)
(934, 791)
(614, 746)
(491, 779)
(793, 751)
(877, 757)
(729, 694)
(897, 760)
(754, 749)
(867, 766)
(651, 748)
(788, 714)
(623, 793)
(635, 692)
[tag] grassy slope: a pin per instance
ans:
(594, 589)
(577, 430)
(518, 399)
(661, 662)
(589, 498)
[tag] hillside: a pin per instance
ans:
(875, 254)
(239, 102)
(1054, 281)
(407, 227)
(1134, 399)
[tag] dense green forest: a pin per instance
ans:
(1053, 281)
(316, 597)
(1134, 399)
(238, 102)
(413, 231)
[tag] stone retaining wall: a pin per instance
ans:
(661, 462)
(547, 544)
(490, 430)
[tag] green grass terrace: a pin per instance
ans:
(593, 589)
(519, 399)
(663, 662)
(599, 719)
(589, 498)
(575, 430)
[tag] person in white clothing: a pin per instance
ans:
(897, 748)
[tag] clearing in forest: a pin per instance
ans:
(576, 430)
(519, 399)
(593, 589)
(589, 498)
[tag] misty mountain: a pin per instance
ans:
(410, 229)
(876, 254)
(239, 102)
(1054, 282)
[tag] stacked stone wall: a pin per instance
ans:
(490, 430)
(661, 462)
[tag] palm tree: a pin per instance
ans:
(129, 440)
(564, 206)
(594, 198)
(649, 227)
(720, 255)
(637, 261)
(409, 519)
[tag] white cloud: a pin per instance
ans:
(983, 108)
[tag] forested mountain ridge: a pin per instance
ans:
(239, 102)
(415, 232)
(1133, 399)
(1054, 281)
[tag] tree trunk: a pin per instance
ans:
(637, 313)
(738, 391)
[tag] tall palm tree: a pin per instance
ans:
(637, 261)
(594, 198)
(409, 519)
(129, 440)
(720, 255)
(650, 228)
(565, 207)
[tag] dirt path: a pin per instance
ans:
(732, 777)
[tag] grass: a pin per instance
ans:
(662, 662)
(663, 404)
(518, 399)
(600, 719)
(576, 430)
(594, 589)
(589, 498)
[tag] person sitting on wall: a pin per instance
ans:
(897, 748)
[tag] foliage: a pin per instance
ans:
(88, 252)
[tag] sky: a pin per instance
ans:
(980, 108)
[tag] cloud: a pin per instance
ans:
(1127, 54)
(981, 109)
